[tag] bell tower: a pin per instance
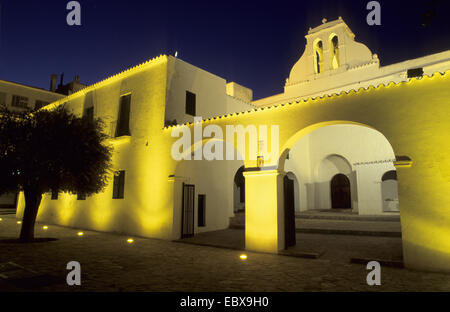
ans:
(330, 49)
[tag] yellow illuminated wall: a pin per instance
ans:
(413, 116)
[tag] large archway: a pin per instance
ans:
(357, 152)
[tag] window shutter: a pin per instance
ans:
(119, 185)
(123, 122)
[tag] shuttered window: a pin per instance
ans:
(123, 121)
(119, 184)
(19, 101)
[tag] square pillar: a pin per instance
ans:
(264, 211)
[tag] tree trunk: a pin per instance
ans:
(32, 202)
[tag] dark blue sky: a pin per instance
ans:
(254, 43)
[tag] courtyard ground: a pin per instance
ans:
(109, 263)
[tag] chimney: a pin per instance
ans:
(76, 78)
(53, 79)
(62, 79)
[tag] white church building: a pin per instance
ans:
(347, 159)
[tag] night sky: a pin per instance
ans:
(254, 43)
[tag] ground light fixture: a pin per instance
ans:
(45, 227)
(1, 219)
(80, 233)
(19, 222)
(130, 241)
(243, 257)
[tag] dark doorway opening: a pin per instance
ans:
(201, 202)
(239, 181)
(340, 192)
(289, 212)
(187, 224)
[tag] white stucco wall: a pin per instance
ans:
(136, 213)
(215, 179)
(210, 90)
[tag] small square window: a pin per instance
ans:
(415, 72)
(190, 103)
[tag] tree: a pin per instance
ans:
(51, 150)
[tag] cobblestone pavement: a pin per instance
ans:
(109, 263)
(336, 248)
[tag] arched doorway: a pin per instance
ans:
(389, 191)
(340, 192)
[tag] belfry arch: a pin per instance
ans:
(318, 56)
(334, 51)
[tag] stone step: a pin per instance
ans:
(348, 216)
(332, 231)
(6, 211)
(364, 227)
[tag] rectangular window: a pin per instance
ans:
(2, 98)
(89, 113)
(19, 101)
(119, 184)
(54, 195)
(415, 72)
(201, 209)
(81, 196)
(190, 103)
(38, 104)
(123, 122)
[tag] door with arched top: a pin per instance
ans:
(340, 192)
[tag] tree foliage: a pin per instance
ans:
(52, 150)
